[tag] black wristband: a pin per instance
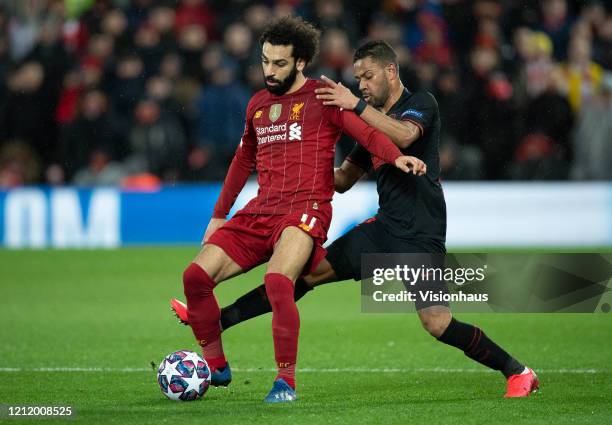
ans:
(361, 105)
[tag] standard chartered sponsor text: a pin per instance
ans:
(271, 133)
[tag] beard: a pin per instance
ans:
(283, 85)
(379, 101)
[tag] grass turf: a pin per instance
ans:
(109, 309)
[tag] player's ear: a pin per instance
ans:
(300, 64)
(391, 71)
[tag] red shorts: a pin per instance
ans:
(249, 239)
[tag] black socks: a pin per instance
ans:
(477, 346)
(469, 339)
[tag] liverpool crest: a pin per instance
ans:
(275, 111)
(295, 111)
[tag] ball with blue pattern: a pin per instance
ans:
(183, 376)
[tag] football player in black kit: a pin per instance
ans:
(412, 212)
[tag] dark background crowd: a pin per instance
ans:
(146, 91)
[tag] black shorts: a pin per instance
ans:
(373, 237)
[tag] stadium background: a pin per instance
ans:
(146, 96)
(118, 120)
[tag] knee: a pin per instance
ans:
(279, 288)
(196, 282)
(435, 323)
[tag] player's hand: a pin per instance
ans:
(410, 164)
(213, 225)
(335, 94)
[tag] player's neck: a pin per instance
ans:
(300, 80)
(396, 93)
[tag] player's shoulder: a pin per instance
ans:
(308, 88)
(418, 105)
(259, 96)
(422, 98)
(316, 84)
(256, 101)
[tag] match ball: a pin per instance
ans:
(183, 376)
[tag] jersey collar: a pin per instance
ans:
(405, 95)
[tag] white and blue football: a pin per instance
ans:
(183, 376)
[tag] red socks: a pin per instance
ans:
(285, 324)
(203, 313)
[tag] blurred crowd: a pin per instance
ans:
(139, 92)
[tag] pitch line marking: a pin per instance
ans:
(304, 370)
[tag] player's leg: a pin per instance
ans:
(237, 246)
(291, 253)
(342, 262)
(210, 267)
(476, 345)
(255, 302)
(438, 321)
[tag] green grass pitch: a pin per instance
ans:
(108, 310)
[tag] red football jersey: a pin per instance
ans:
(291, 140)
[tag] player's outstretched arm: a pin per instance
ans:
(371, 139)
(376, 142)
(349, 172)
(402, 133)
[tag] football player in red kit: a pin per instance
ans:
(290, 138)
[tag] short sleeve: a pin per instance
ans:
(422, 111)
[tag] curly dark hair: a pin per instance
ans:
(292, 30)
